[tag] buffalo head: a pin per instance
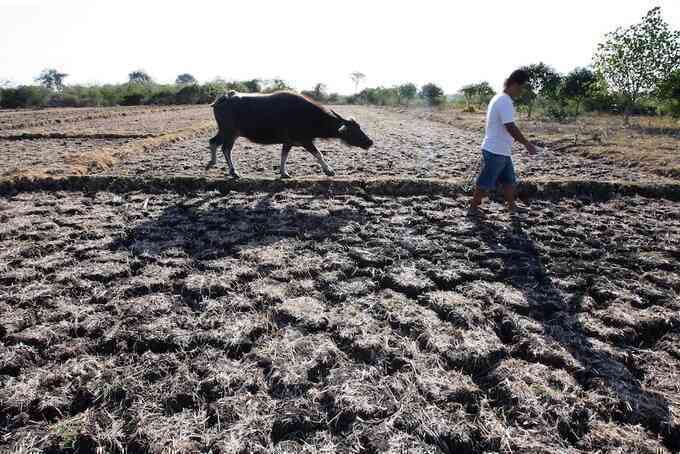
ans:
(350, 132)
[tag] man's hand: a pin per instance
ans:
(519, 137)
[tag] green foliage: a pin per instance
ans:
(477, 94)
(543, 80)
(544, 83)
(380, 96)
(273, 85)
(317, 94)
(78, 96)
(432, 94)
(578, 85)
(407, 92)
(24, 96)
(636, 59)
(140, 77)
(52, 79)
(185, 79)
(252, 86)
(669, 94)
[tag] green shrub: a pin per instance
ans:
(432, 94)
(25, 96)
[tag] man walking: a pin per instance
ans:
(501, 131)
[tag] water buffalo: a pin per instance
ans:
(280, 118)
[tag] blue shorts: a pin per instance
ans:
(496, 169)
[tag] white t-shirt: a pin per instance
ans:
(500, 112)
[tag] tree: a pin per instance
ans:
(52, 79)
(252, 86)
(432, 94)
(544, 82)
(407, 92)
(670, 87)
(318, 93)
(480, 93)
(469, 91)
(357, 77)
(140, 77)
(578, 85)
(185, 79)
(272, 85)
(636, 59)
(25, 96)
(669, 93)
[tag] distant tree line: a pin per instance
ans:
(635, 70)
(140, 89)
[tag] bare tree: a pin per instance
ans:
(357, 77)
(52, 79)
(140, 76)
(186, 79)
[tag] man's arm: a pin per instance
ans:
(516, 134)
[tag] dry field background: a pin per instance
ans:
(146, 305)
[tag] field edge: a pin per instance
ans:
(534, 188)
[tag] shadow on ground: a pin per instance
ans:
(597, 369)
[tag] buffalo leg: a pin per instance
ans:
(226, 150)
(214, 143)
(319, 157)
(284, 158)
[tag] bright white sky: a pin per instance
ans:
(303, 42)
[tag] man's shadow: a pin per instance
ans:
(557, 313)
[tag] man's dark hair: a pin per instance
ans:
(519, 77)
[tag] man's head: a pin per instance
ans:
(515, 84)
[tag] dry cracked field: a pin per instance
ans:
(312, 319)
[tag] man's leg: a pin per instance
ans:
(509, 194)
(486, 181)
(477, 198)
(508, 180)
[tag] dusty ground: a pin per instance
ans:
(121, 121)
(62, 142)
(406, 144)
(299, 321)
(291, 322)
(649, 143)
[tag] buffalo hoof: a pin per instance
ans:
(329, 172)
(235, 175)
(210, 165)
(285, 176)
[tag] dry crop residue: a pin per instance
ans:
(290, 322)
